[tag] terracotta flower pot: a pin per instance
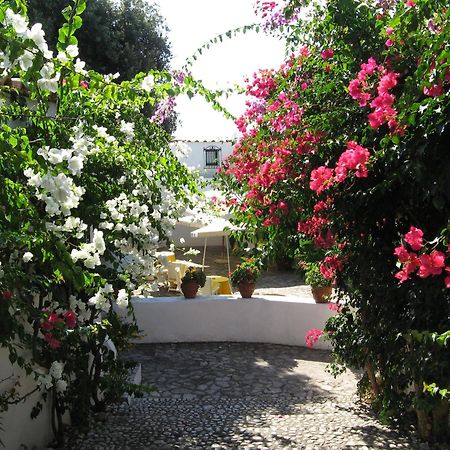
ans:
(246, 289)
(321, 294)
(189, 288)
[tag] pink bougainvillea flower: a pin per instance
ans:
(331, 265)
(410, 3)
(389, 31)
(435, 90)
(304, 85)
(7, 295)
(84, 84)
(447, 282)
(389, 43)
(414, 238)
(447, 278)
(354, 158)
(402, 276)
(313, 336)
(402, 254)
(432, 264)
(334, 307)
(52, 341)
(52, 321)
(71, 319)
(327, 53)
(321, 178)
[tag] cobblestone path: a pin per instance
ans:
(240, 396)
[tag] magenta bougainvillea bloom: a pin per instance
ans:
(414, 238)
(313, 336)
(327, 53)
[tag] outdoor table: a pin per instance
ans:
(178, 267)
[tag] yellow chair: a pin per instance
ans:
(216, 285)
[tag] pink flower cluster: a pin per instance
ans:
(330, 266)
(313, 336)
(54, 322)
(382, 104)
(355, 157)
(289, 113)
(425, 264)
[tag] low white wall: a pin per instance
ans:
(276, 320)
(19, 428)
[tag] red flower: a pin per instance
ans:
(414, 238)
(71, 319)
(402, 254)
(434, 90)
(432, 264)
(7, 295)
(53, 342)
(313, 336)
(327, 53)
(84, 84)
(52, 321)
(321, 178)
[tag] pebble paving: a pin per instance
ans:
(240, 396)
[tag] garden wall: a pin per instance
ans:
(19, 429)
(268, 319)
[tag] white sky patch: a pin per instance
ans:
(193, 23)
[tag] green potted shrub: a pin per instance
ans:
(320, 286)
(244, 277)
(192, 280)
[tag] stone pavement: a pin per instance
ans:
(240, 396)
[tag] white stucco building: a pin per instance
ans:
(206, 156)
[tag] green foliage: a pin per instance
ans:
(393, 330)
(249, 270)
(117, 36)
(194, 274)
(314, 277)
(89, 188)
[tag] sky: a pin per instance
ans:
(191, 24)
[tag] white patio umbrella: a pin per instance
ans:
(192, 221)
(219, 227)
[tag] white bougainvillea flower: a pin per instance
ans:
(56, 370)
(27, 257)
(62, 57)
(61, 386)
(148, 82)
(127, 128)
(72, 50)
(26, 60)
(36, 34)
(79, 66)
(18, 22)
(49, 80)
(98, 241)
(122, 299)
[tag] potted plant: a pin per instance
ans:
(192, 279)
(244, 277)
(320, 287)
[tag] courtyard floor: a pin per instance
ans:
(240, 396)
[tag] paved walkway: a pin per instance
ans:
(240, 396)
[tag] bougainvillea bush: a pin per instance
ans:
(344, 153)
(89, 188)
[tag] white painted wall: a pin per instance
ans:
(269, 319)
(19, 428)
(196, 158)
